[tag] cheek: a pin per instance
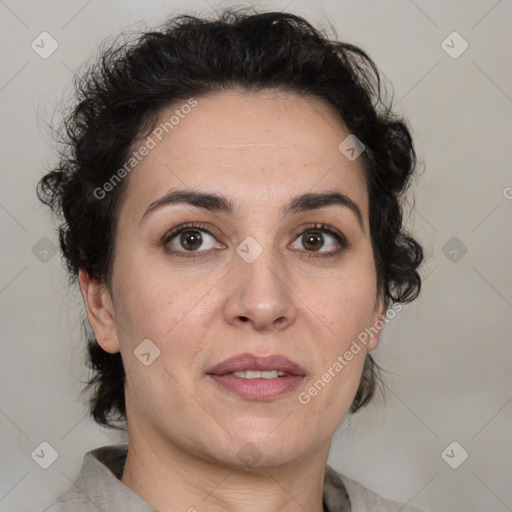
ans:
(353, 308)
(341, 353)
(348, 306)
(346, 301)
(151, 301)
(151, 306)
(167, 308)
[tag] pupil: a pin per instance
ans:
(191, 239)
(313, 240)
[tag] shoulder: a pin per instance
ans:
(98, 487)
(80, 495)
(363, 499)
(72, 501)
(68, 506)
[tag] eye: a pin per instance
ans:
(190, 239)
(320, 239)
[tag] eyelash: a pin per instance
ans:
(340, 238)
(325, 228)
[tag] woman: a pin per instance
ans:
(230, 195)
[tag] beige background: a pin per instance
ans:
(449, 354)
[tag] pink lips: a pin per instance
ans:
(259, 388)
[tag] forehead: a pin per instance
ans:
(258, 148)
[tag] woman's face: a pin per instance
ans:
(203, 282)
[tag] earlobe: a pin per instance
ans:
(100, 311)
(378, 322)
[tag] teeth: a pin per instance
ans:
(256, 374)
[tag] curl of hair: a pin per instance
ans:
(119, 98)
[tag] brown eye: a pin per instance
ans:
(191, 240)
(320, 240)
(313, 241)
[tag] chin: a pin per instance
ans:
(257, 449)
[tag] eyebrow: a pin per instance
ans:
(222, 204)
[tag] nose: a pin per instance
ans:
(260, 295)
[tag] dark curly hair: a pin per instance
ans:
(119, 98)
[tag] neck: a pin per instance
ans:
(171, 479)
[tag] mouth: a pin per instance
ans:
(257, 377)
(256, 374)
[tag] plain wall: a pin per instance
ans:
(448, 354)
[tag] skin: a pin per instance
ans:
(185, 432)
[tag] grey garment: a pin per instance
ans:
(98, 488)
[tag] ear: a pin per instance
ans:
(100, 311)
(378, 322)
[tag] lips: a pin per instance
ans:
(288, 377)
(246, 361)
